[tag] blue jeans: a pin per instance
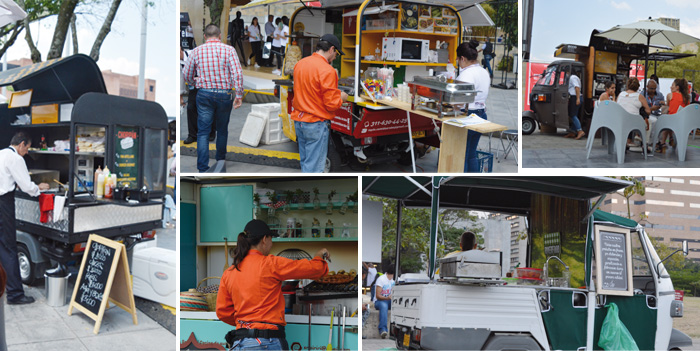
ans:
(313, 145)
(487, 60)
(265, 344)
(383, 306)
(573, 113)
(212, 106)
(472, 163)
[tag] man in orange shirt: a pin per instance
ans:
(316, 98)
(250, 294)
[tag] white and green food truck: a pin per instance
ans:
(579, 260)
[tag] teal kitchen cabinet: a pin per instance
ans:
(224, 211)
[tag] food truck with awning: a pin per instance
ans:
(76, 128)
(579, 260)
(412, 38)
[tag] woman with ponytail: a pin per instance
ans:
(250, 294)
(470, 71)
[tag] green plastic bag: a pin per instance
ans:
(614, 335)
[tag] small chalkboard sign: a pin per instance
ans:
(613, 261)
(103, 277)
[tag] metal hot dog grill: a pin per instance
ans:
(441, 95)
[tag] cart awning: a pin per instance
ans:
(475, 16)
(504, 194)
(458, 4)
(600, 216)
(58, 80)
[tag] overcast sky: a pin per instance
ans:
(571, 22)
(120, 50)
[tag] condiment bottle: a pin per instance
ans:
(100, 185)
(98, 171)
(109, 188)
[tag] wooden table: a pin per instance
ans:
(453, 143)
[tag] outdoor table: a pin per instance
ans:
(453, 140)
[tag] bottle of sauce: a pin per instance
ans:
(110, 181)
(98, 171)
(42, 144)
(100, 185)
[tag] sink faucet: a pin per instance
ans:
(546, 266)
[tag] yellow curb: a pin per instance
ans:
(250, 151)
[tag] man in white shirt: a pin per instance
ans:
(382, 299)
(13, 172)
(575, 105)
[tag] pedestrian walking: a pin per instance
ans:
(220, 84)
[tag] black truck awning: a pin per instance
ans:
(504, 194)
(59, 80)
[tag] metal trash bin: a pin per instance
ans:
(56, 290)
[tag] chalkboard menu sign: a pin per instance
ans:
(103, 277)
(93, 281)
(126, 156)
(613, 261)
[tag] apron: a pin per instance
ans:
(8, 245)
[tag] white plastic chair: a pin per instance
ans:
(618, 122)
(682, 123)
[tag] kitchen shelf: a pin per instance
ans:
(399, 63)
(79, 153)
(42, 125)
(382, 31)
(310, 206)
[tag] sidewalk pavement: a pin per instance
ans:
(38, 326)
(501, 107)
(554, 151)
(378, 344)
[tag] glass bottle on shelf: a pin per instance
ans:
(274, 224)
(316, 228)
(344, 207)
(316, 201)
(271, 210)
(291, 221)
(329, 205)
(329, 229)
(346, 231)
(298, 231)
(285, 207)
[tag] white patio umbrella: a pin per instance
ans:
(10, 12)
(648, 32)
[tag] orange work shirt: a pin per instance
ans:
(316, 93)
(254, 294)
(675, 103)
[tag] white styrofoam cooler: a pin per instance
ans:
(154, 270)
(263, 125)
(273, 133)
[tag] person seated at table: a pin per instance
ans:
(609, 94)
(634, 103)
(655, 99)
(677, 98)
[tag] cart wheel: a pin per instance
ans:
(528, 125)
(333, 160)
(27, 269)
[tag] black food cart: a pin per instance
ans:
(76, 127)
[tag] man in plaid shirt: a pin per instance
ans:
(219, 76)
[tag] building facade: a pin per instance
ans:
(674, 23)
(518, 237)
(669, 210)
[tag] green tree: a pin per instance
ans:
(674, 69)
(637, 188)
(415, 228)
(215, 9)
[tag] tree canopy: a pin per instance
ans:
(415, 229)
